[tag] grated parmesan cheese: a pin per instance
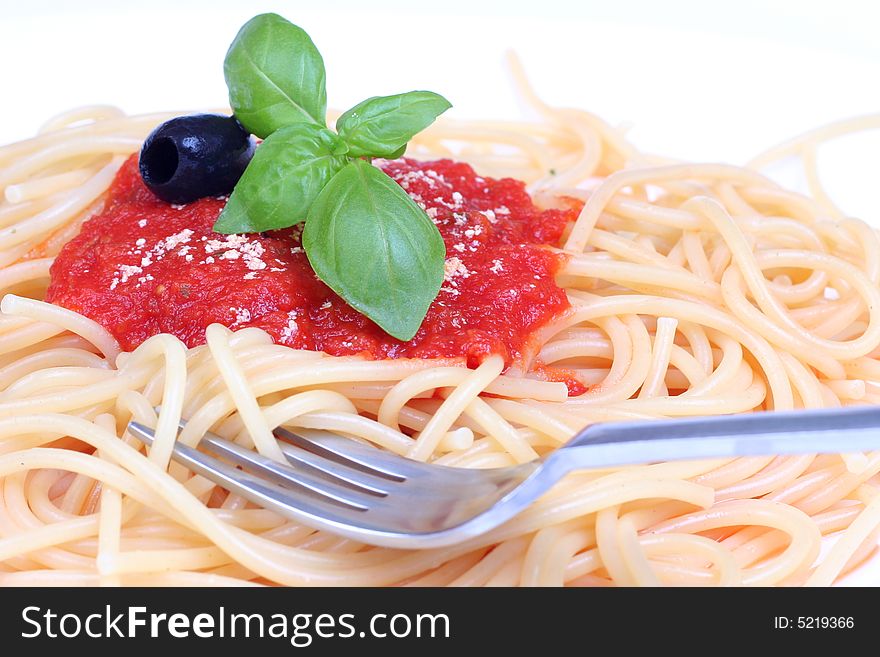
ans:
(242, 315)
(291, 328)
(454, 267)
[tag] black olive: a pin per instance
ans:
(191, 157)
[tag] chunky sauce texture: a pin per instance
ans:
(143, 267)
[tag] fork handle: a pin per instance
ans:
(826, 431)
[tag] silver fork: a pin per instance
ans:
(377, 497)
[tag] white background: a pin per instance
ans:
(688, 65)
(699, 80)
(714, 81)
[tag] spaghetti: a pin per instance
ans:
(694, 289)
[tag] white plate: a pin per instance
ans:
(696, 81)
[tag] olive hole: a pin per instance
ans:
(160, 161)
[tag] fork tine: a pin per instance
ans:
(352, 454)
(345, 475)
(307, 508)
(346, 452)
(278, 473)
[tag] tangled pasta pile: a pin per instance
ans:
(695, 289)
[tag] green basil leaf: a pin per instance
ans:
(398, 153)
(286, 174)
(382, 125)
(375, 248)
(275, 76)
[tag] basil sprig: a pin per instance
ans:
(363, 235)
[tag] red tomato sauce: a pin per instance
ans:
(143, 267)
